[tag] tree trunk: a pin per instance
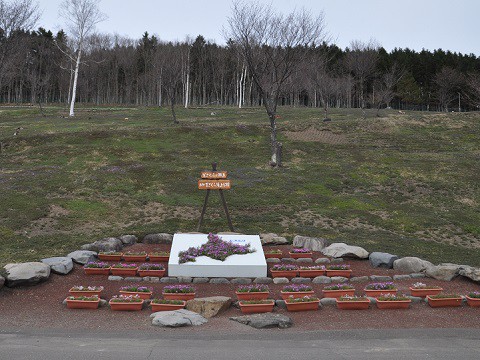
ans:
(75, 80)
(172, 106)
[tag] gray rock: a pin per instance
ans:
(263, 280)
(209, 307)
(30, 273)
(305, 260)
(280, 280)
(381, 259)
(312, 243)
(115, 278)
(161, 238)
(322, 261)
(82, 256)
(380, 278)
(415, 299)
(470, 272)
(184, 279)
(288, 260)
(107, 244)
(337, 260)
(103, 303)
(281, 304)
(200, 280)
(169, 280)
(301, 280)
(411, 265)
(242, 281)
(446, 272)
(417, 275)
(272, 239)
(322, 280)
(154, 279)
(273, 260)
(373, 300)
(337, 250)
(134, 279)
(219, 281)
(128, 239)
(328, 301)
(263, 321)
(339, 279)
(59, 265)
(177, 318)
(401, 277)
(356, 279)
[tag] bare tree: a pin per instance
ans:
(473, 82)
(385, 87)
(361, 61)
(82, 16)
(448, 83)
(273, 45)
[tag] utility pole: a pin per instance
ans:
(459, 107)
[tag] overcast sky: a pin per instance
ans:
(416, 24)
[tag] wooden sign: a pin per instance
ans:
(214, 184)
(213, 175)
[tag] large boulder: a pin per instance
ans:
(177, 318)
(446, 272)
(382, 260)
(59, 265)
(338, 250)
(411, 264)
(272, 239)
(209, 306)
(128, 239)
(161, 238)
(107, 244)
(470, 272)
(26, 273)
(263, 321)
(312, 243)
(82, 256)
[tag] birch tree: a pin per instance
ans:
(273, 46)
(81, 16)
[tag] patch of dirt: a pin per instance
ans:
(450, 234)
(315, 135)
(467, 201)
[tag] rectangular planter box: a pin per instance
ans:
(135, 258)
(400, 304)
(273, 256)
(154, 273)
(252, 295)
(296, 294)
(123, 272)
(302, 306)
(82, 304)
(166, 307)
(447, 302)
(142, 295)
(343, 273)
(119, 306)
(311, 273)
(289, 274)
(300, 255)
(160, 258)
(375, 293)
(353, 305)
(424, 292)
(84, 293)
(473, 302)
(256, 308)
(106, 257)
(97, 271)
(178, 296)
(338, 293)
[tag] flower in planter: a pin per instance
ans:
(284, 267)
(301, 299)
(135, 288)
(297, 288)
(126, 299)
(313, 267)
(96, 265)
(352, 298)
(420, 285)
(273, 251)
(474, 294)
(338, 267)
(170, 302)
(256, 302)
(444, 296)
(339, 287)
(132, 253)
(392, 297)
(160, 253)
(215, 248)
(83, 298)
(300, 251)
(381, 286)
(148, 266)
(109, 253)
(86, 288)
(175, 289)
(253, 288)
(124, 266)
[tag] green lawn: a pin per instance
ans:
(406, 184)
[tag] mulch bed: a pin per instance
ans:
(41, 306)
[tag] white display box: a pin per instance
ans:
(247, 265)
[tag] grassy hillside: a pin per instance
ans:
(406, 184)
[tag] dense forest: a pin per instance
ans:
(37, 67)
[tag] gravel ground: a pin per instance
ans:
(41, 306)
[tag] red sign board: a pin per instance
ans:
(214, 175)
(214, 184)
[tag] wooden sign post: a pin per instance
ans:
(214, 180)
